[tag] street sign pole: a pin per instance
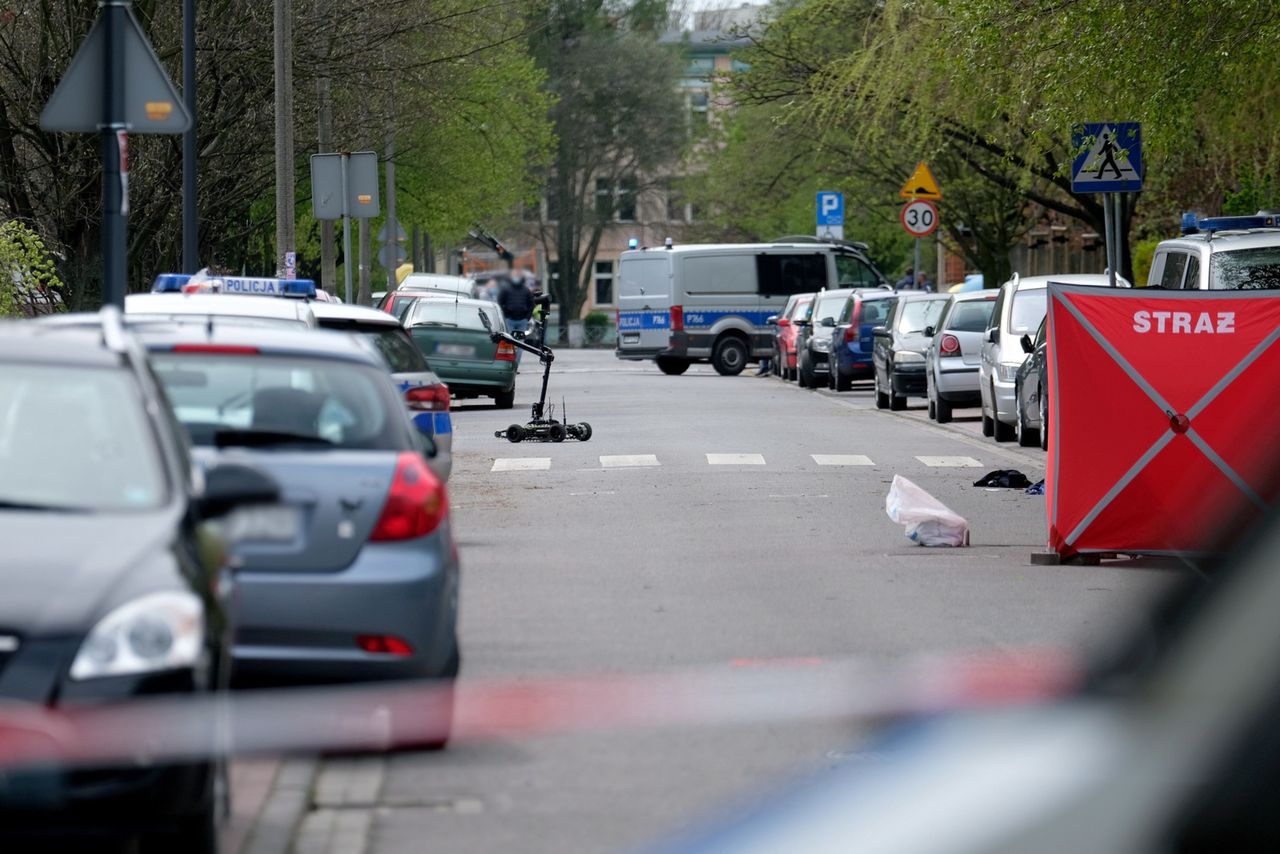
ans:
(115, 148)
(1108, 227)
(346, 228)
(190, 217)
(915, 268)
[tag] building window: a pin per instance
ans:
(677, 209)
(626, 200)
(604, 198)
(698, 110)
(700, 66)
(604, 283)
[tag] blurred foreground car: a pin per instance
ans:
(1031, 390)
(953, 357)
(354, 576)
(425, 395)
(457, 345)
(898, 357)
(113, 590)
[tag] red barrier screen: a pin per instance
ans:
(1164, 423)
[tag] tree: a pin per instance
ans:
(27, 274)
(619, 122)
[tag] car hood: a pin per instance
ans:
(58, 569)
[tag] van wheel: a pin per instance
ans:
(672, 366)
(729, 356)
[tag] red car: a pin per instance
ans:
(798, 307)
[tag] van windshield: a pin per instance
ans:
(1245, 269)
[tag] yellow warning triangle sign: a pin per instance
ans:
(921, 184)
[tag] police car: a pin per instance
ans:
(1220, 253)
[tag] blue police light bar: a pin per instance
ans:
(176, 282)
(1190, 223)
(633, 243)
(1236, 223)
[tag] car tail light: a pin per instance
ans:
(384, 644)
(855, 321)
(416, 502)
(235, 349)
(677, 318)
(428, 398)
(782, 321)
(506, 352)
(950, 345)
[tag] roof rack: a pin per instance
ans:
(809, 238)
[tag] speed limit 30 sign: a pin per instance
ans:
(919, 218)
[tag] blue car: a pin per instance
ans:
(852, 343)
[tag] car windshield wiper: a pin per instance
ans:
(433, 323)
(262, 438)
(40, 508)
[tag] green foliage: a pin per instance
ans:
(1143, 253)
(26, 269)
(596, 320)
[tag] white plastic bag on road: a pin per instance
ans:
(929, 522)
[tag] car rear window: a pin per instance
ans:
(392, 342)
(1029, 308)
(876, 311)
(452, 313)
(918, 314)
(76, 438)
(274, 401)
(1245, 269)
(971, 316)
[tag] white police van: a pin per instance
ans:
(1220, 253)
(683, 304)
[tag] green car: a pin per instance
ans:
(449, 332)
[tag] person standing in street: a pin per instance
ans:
(924, 283)
(516, 301)
(907, 282)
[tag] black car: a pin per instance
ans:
(898, 355)
(112, 584)
(1031, 391)
(813, 337)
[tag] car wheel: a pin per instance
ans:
(942, 411)
(729, 356)
(843, 383)
(988, 423)
(803, 378)
(505, 399)
(882, 399)
(1026, 436)
(1002, 432)
(897, 402)
(197, 834)
(1044, 422)
(831, 377)
(933, 412)
(672, 366)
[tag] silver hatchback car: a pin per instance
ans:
(354, 575)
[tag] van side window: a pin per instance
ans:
(1191, 281)
(1174, 264)
(783, 275)
(854, 273)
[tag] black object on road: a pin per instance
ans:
(542, 426)
(1004, 478)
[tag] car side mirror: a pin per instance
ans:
(880, 332)
(231, 485)
(928, 332)
(829, 322)
(1028, 346)
(426, 443)
(772, 320)
(993, 335)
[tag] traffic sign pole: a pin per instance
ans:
(190, 216)
(115, 142)
(1109, 228)
(346, 229)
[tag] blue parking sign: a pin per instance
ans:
(830, 208)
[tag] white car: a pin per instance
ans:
(955, 353)
(1221, 253)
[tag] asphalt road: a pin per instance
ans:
(661, 558)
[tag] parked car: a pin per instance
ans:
(1020, 306)
(852, 341)
(415, 285)
(898, 355)
(113, 589)
(799, 307)
(954, 355)
(449, 332)
(1031, 388)
(246, 309)
(425, 394)
(354, 576)
(687, 304)
(813, 337)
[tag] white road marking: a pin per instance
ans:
(522, 464)
(950, 462)
(842, 460)
(622, 461)
(735, 459)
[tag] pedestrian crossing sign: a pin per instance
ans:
(921, 184)
(1108, 157)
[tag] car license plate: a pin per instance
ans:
(631, 338)
(263, 523)
(455, 350)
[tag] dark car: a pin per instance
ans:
(113, 587)
(851, 340)
(813, 337)
(1032, 391)
(899, 348)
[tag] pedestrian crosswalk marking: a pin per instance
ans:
(950, 462)
(842, 460)
(735, 459)
(622, 461)
(522, 464)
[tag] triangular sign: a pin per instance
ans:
(1106, 162)
(150, 103)
(921, 184)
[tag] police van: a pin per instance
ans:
(683, 304)
(1220, 253)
